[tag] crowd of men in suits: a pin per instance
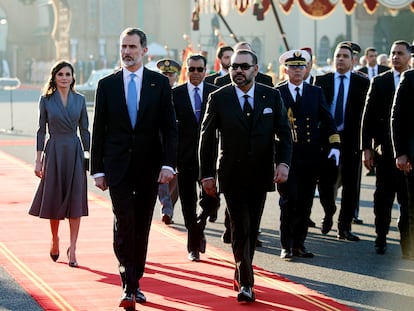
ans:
(218, 137)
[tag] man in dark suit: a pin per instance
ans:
(309, 115)
(377, 147)
(224, 54)
(224, 80)
(133, 150)
(247, 116)
(403, 143)
(345, 93)
(189, 116)
(260, 77)
(372, 69)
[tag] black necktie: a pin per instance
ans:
(247, 110)
(339, 110)
(373, 72)
(297, 99)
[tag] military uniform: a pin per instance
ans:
(309, 115)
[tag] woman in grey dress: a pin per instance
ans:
(60, 159)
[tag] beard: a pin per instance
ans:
(128, 61)
(241, 79)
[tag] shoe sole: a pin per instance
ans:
(243, 298)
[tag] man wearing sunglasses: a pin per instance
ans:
(260, 77)
(246, 116)
(189, 102)
(312, 127)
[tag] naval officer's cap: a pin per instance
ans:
(294, 58)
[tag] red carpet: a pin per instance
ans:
(170, 281)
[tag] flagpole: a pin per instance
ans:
(227, 25)
(279, 24)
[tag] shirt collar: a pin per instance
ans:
(292, 87)
(191, 87)
(138, 73)
(240, 93)
(346, 74)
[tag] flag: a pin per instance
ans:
(183, 75)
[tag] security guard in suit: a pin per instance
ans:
(168, 193)
(308, 115)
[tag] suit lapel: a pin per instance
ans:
(235, 105)
(259, 101)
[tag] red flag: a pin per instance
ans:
(183, 75)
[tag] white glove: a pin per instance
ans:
(334, 153)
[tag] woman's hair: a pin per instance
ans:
(50, 86)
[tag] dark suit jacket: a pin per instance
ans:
(246, 157)
(403, 117)
(116, 146)
(312, 116)
(260, 78)
(358, 87)
(211, 78)
(377, 113)
(381, 69)
(188, 128)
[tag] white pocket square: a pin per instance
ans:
(267, 110)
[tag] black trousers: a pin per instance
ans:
(390, 181)
(296, 200)
(245, 210)
(133, 207)
(409, 230)
(350, 176)
(187, 188)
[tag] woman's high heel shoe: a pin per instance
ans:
(54, 256)
(72, 264)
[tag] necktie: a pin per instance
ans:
(197, 104)
(297, 99)
(339, 110)
(247, 110)
(373, 72)
(132, 100)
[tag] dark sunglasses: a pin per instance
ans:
(192, 69)
(244, 66)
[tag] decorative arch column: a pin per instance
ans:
(61, 28)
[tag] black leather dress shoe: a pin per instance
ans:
(347, 235)
(246, 294)
(194, 256)
(326, 224)
(167, 219)
(380, 249)
(127, 301)
(286, 254)
(357, 221)
(203, 244)
(302, 252)
(226, 237)
(140, 297)
(311, 223)
(213, 217)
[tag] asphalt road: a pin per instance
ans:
(350, 272)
